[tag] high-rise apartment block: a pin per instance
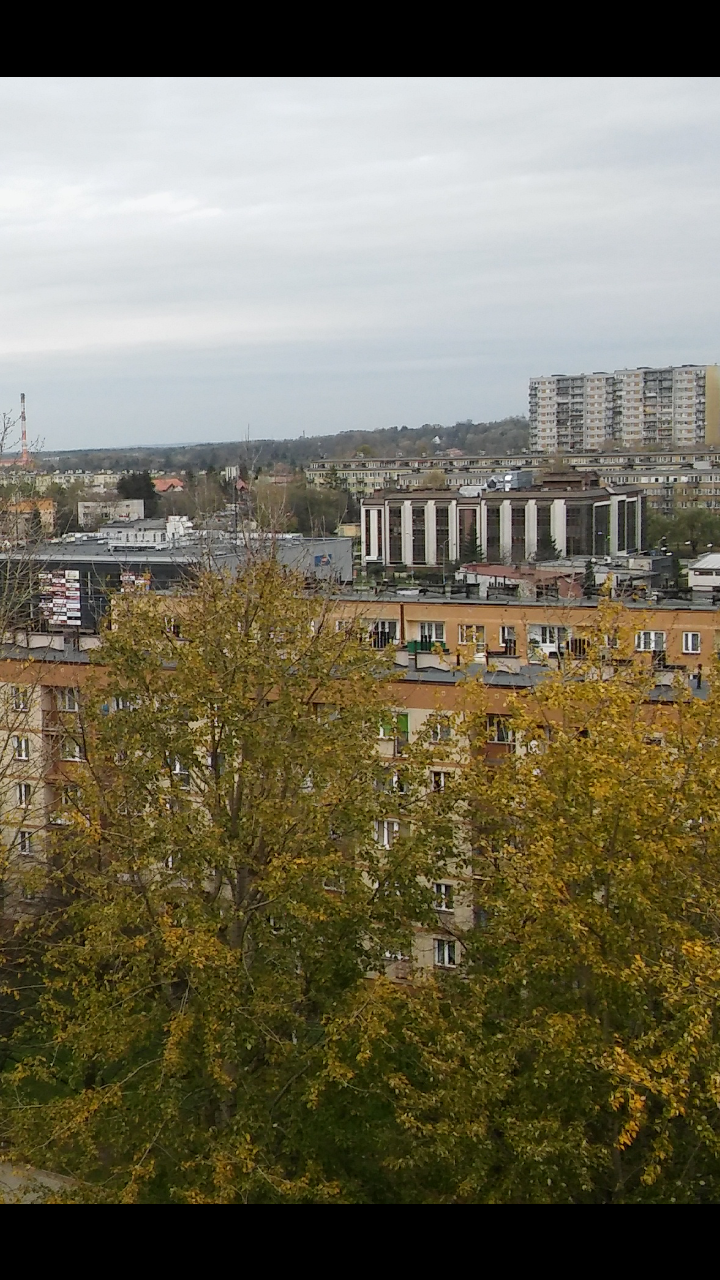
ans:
(632, 408)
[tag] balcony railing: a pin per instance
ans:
(426, 646)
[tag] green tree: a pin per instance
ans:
(139, 484)
(691, 530)
(220, 903)
(35, 532)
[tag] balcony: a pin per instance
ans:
(426, 646)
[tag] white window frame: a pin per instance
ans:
(437, 779)
(66, 698)
(444, 895)
(25, 842)
(688, 645)
(434, 631)
(180, 772)
(495, 723)
(67, 742)
(387, 831)
(441, 732)
(472, 633)
(444, 953)
(24, 795)
(21, 747)
(650, 641)
(19, 698)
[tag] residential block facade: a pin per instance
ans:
(655, 408)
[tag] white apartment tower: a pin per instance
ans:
(631, 408)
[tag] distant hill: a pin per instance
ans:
(510, 435)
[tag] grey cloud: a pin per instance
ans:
(181, 256)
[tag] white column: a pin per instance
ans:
(531, 529)
(478, 530)
(453, 530)
(614, 526)
(364, 551)
(558, 525)
(506, 530)
(386, 532)
(483, 529)
(374, 516)
(407, 554)
(430, 532)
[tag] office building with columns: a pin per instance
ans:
(563, 514)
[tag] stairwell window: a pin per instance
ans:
(444, 896)
(25, 843)
(24, 795)
(19, 698)
(387, 831)
(445, 953)
(21, 748)
(180, 773)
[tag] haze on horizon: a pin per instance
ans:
(184, 257)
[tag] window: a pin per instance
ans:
(21, 748)
(333, 884)
(444, 896)
(66, 699)
(441, 732)
(124, 703)
(24, 795)
(499, 729)
(25, 843)
(508, 641)
(180, 773)
(383, 633)
(387, 831)
(397, 729)
(19, 698)
(434, 631)
(437, 778)
(472, 633)
(650, 641)
(444, 953)
(71, 749)
(691, 641)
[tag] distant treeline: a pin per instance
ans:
(507, 436)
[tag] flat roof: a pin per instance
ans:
(419, 494)
(413, 596)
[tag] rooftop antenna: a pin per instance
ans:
(25, 456)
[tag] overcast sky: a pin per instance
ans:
(183, 257)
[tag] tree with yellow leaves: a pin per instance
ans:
(577, 1057)
(219, 901)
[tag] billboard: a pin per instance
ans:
(60, 597)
